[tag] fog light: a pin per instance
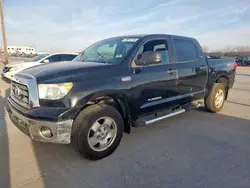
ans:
(46, 132)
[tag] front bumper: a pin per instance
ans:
(60, 131)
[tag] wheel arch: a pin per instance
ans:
(117, 101)
(223, 79)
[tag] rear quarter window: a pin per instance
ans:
(185, 50)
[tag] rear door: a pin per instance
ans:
(192, 68)
(154, 86)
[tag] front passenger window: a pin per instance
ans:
(159, 46)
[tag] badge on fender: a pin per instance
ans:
(126, 79)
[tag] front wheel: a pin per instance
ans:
(98, 131)
(216, 98)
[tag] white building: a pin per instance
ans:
(21, 49)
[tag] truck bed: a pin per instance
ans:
(225, 64)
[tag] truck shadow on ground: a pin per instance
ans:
(198, 138)
(4, 143)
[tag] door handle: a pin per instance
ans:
(171, 71)
(202, 67)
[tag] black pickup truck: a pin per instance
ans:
(116, 84)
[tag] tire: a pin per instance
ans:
(210, 101)
(83, 128)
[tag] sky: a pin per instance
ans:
(72, 25)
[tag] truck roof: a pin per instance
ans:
(151, 35)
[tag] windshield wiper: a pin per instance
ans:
(102, 56)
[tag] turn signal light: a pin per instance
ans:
(235, 65)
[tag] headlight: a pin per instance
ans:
(54, 91)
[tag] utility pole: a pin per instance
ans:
(4, 35)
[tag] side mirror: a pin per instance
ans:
(150, 57)
(46, 61)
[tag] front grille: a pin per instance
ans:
(6, 69)
(20, 92)
(24, 91)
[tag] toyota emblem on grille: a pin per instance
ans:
(18, 91)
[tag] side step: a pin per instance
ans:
(176, 112)
(144, 121)
(152, 118)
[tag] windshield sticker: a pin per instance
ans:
(129, 39)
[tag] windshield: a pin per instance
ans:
(39, 57)
(107, 51)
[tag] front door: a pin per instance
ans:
(153, 85)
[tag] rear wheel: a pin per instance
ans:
(98, 130)
(216, 98)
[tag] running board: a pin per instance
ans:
(144, 121)
(176, 112)
(157, 116)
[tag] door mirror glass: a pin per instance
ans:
(150, 58)
(46, 61)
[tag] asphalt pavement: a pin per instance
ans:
(194, 149)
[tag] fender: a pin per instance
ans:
(119, 101)
(215, 76)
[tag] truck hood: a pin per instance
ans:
(63, 71)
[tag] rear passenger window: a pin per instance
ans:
(186, 50)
